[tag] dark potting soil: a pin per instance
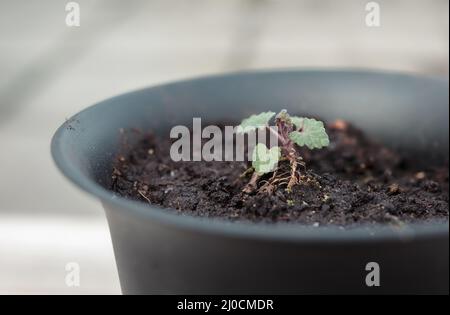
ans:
(354, 181)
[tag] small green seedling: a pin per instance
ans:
(290, 131)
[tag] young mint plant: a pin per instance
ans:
(291, 131)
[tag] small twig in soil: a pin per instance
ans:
(144, 196)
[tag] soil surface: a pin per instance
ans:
(354, 181)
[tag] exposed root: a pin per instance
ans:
(285, 183)
(278, 179)
(246, 172)
(293, 180)
(294, 161)
(252, 184)
(267, 188)
(285, 174)
(281, 179)
(302, 164)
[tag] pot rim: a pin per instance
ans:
(294, 232)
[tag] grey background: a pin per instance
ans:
(49, 71)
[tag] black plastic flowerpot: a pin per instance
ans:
(158, 251)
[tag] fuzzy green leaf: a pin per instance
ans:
(297, 121)
(311, 134)
(265, 160)
(255, 122)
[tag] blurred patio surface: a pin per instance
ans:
(49, 71)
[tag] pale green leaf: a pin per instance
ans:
(297, 121)
(255, 122)
(265, 160)
(311, 134)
